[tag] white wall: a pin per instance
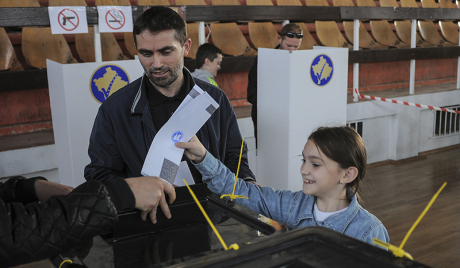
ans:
(30, 162)
(426, 140)
(395, 131)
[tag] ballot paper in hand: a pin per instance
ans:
(164, 157)
(183, 174)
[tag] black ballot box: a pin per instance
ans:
(184, 211)
(309, 247)
(138, 243)
(151, 250)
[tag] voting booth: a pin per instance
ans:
(76, 92)
(297, 92)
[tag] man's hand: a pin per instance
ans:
(150, 193)
(45, 189)
(194, 150)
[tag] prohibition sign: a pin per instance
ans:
(67, 19)
(115, 19)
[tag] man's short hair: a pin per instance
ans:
(206, 51)
(157, 19)
(290, 28)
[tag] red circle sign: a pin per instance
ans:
(68, 19)
(115, 19)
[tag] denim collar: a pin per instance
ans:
(338, 222)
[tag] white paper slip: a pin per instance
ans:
(196, 90)
(183, 173)
(164, 157)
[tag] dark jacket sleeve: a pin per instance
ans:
(41, 230)
(107, 164)
(19, 189)
(252, 84)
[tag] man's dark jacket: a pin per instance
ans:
(123, 131)
(32, 231)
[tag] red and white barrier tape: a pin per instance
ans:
(407, 103)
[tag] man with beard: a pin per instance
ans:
(128, 120)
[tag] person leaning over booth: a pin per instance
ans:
(208, 61)
(290, 39)
(40, 219)
(128, 120)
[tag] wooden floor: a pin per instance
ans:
(397, 195)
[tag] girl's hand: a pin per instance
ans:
(194, 150)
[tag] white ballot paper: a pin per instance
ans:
(183, 173)
(164, 157)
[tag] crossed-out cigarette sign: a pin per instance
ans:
(115, 18)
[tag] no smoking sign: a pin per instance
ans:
(115, 18)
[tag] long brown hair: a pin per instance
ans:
(344, 146)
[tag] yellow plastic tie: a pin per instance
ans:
(209, 221)
(398, 251)
(65, 261)
(234, 246)
(422, 215)
(233, 196)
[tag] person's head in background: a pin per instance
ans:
(290, 37)
(334, 163)
(209, 58)
(160, 35)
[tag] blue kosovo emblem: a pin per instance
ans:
(321, 70)
(106, 80)
(177, 136)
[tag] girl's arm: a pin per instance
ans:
(220, 180)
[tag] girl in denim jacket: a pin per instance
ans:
(333, 165)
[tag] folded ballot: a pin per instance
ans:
(163, 158)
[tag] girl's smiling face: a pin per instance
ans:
(321, 176)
